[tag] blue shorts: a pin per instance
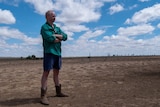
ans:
(51, 61)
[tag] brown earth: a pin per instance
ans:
(89, 82)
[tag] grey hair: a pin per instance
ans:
(48, 12)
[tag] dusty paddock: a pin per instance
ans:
(89, 82)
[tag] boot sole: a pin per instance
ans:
(43, 103)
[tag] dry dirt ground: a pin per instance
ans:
(89, 82)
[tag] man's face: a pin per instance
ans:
(51, 16)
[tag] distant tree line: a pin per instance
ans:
(32, 57)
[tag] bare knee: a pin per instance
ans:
(45, 73)
(56, 72)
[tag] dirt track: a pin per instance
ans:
(89, 82)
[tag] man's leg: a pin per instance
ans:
(57, 84)
(44, 78)
(56, 77)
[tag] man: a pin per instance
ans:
(52, 37)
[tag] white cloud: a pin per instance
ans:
(10, 2)
(116, 8)
(154, 41)
(144, 0)
(158, 25)
(132, 7)
(24, 47)
(41, 6)
(145, 15)
(89, 35)
(71, 11)
(18, 50)
(8, 33)
(75, 28)
(136, 30)
(6, 17)
(108, 0)
(78, 12)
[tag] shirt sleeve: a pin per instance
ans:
(47, 34)
(64, 35)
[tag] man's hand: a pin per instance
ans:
(57, 40)
(58, 36)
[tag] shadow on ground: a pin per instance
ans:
(148, 74)
(17, 102)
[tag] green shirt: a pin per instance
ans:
(49, 46)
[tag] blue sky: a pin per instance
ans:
(94, 27)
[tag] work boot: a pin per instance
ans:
(59, 93)
(44, 99)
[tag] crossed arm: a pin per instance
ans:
(58, 38)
